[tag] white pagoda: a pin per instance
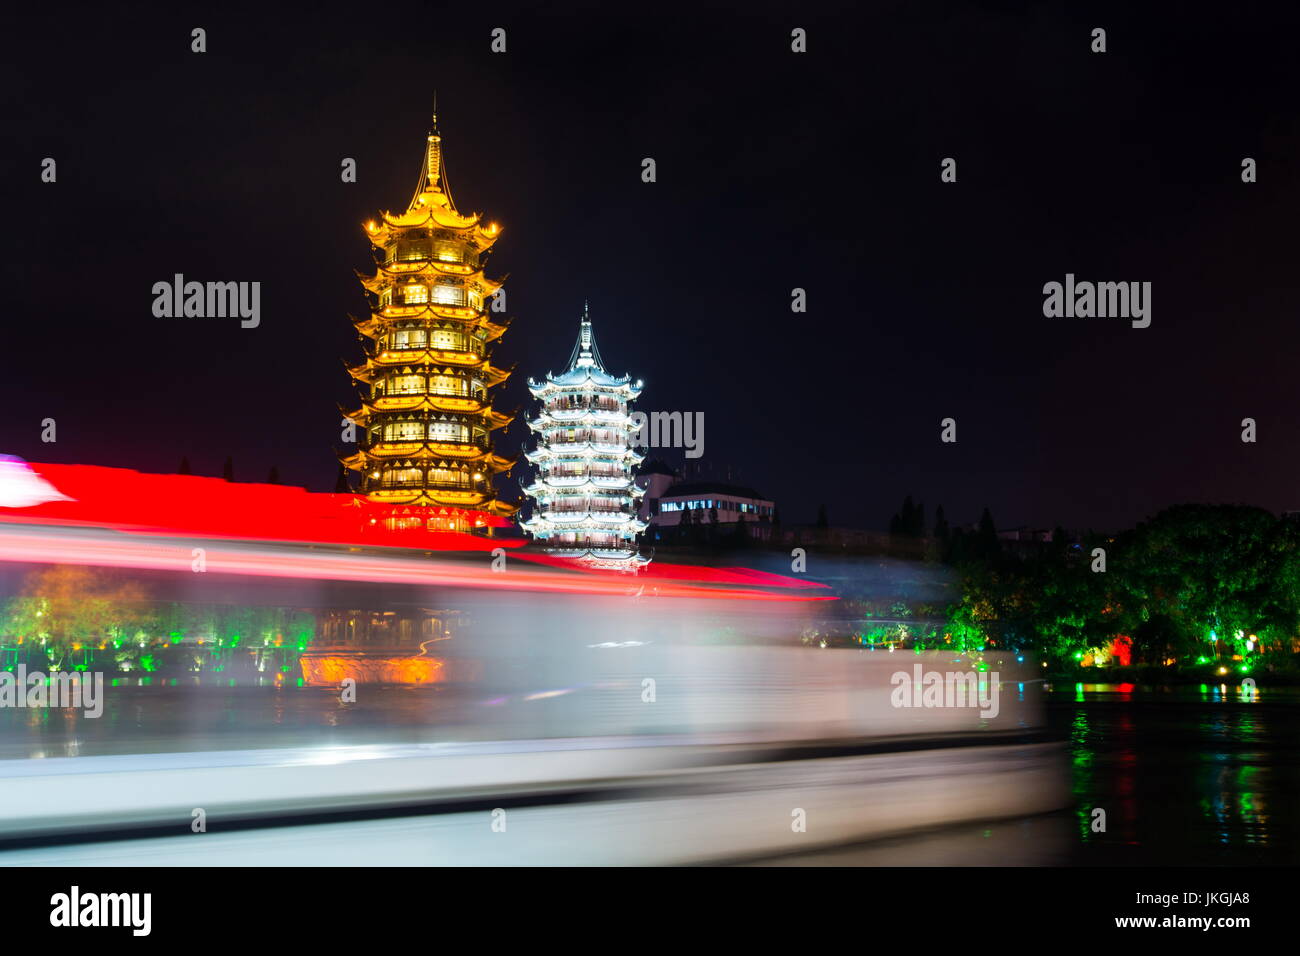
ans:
(584, 498)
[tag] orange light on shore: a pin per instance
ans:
(332, 669)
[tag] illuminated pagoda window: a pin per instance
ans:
(584, 498)
(424, 428)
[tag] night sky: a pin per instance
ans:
(775, 171)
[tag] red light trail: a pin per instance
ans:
(114, 517)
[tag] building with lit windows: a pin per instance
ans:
(424, 428)
(584, 496)
(701, 503)
(654, 478)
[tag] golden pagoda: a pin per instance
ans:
(424, 428)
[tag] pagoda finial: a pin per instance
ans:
(433, 175)
(585, 354)
(433, 156)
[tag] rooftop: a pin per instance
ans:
(687, 489)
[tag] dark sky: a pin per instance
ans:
(775, 170)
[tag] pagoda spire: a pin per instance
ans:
(433, 175)
(585, 354)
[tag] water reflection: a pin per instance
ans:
(1186, 775)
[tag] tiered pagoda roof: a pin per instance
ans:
(425, 418)
(584, 493)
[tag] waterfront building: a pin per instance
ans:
(705, 503)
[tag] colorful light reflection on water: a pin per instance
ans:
(1189, 775)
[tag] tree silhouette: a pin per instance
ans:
(741, 533)
(684, 524)
(987, 535)
(940, 524)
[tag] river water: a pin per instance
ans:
(1185, 775)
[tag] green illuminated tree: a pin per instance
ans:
(65, 606)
